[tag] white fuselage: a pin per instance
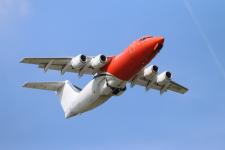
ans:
(96, 92)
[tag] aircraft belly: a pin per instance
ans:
(90, 97)
(96, 103)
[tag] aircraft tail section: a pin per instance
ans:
(65, 90)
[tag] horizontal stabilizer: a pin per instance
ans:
(66, 91)
(53, 86)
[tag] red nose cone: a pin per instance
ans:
(158, 41)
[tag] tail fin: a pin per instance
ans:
(65, 90)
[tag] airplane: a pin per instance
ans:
(110, 74)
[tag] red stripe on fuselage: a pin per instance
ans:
(134, 58)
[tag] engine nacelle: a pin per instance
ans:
(150, 72)
(98, 61)
(164, 78)
(79, 61)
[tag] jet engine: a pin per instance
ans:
(164, 78)
(98, 61)
(150, 72)
(79, 61)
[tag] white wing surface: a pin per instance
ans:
(150, 79)
(80, 64)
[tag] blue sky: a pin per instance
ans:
(194, 52)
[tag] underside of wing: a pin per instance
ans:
(80, 64)
(150, 79)
(59, 61)
(177, 87)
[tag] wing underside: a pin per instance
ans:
(161, 82)
(65, 64)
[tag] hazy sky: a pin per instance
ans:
(194, 52)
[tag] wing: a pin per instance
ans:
(67, 65)
(158, 82)
(177, 87)
(173, 86)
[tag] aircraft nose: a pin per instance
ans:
(159, 39)
(158, 43)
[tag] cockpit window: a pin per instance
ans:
(144, 38)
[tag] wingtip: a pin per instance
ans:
(185, 91)
(25, 85)
(22, 60)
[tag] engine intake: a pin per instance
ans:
(83, 58)
(98, 61)
(168, 74)
(79, 61)
(155, 68)
(150, 72)
(103, 58)
(164, 78)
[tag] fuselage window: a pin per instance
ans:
(144, 38)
